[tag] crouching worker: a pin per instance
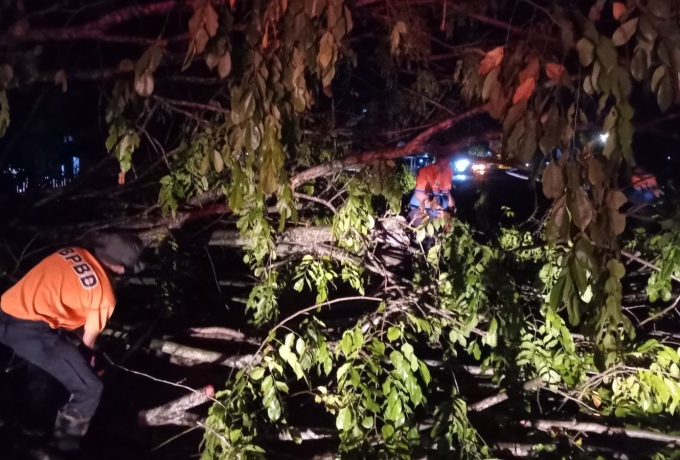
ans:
(432, 196)
(67, 290)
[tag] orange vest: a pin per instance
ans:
(644, 181)
(434, 179)
(68, 289)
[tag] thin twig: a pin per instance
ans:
(302, 196)
(662, 312)
(646, 264)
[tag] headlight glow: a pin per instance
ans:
(461, 165)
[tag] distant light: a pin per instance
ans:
(669, 158)
(364, 111)
(421, 161)
(527, 164)
(460, 177)
(604, 137)
(479, 169)
(461, 165)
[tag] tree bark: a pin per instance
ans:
(500, 397)
(588, 427)
(415, 145)
(198, 355)
(174, 412)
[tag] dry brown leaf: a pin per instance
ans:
(265, 38)
(491, 60)
(60, 79)
(490, 81)
(144, 84)
(554, 71)
(211, 60)
(553, 180)
(596, 10)
(224, 65)
(624, 32)
(498, 101)
(597, 401)
(524, 91)
(530, 71)
(326, 50)
(619, 9)
(615, 199)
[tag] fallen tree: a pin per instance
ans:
(260, 150)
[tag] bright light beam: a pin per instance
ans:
(461, 165)
(604, 137)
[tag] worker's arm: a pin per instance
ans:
(89, 339)
(452, 204)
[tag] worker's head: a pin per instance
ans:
(120, 253)
(442, 160)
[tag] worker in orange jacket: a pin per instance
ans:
(432, 195)
(68, 290)
(645, 185)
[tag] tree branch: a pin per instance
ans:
(503, 396)
(415, 145)
(645, 263)
(221, 333)
(198, 355)
(170, 413)
(193, 105)
(588, 427)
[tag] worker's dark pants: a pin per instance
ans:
(38, 343)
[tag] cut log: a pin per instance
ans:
(503, 396)
(198, 355)
(174, 412)
(221, 333)
(588, 427)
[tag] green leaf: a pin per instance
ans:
(616, 269)
(393, 333)
(557, 292)
(346, 344)
(343, 421)
(274, 410)
(257, 373)
(387, 431)
(586, 51)
(285, 352)
(343, 370)
(234, 435)
(367, 423)
(424, 372)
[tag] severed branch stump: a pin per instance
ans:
(174, 412)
